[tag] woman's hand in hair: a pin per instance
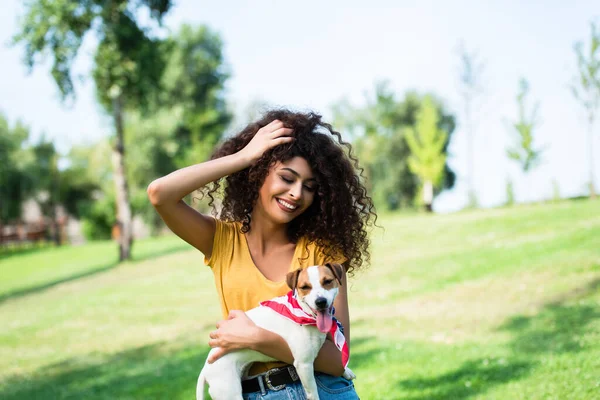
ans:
(267, 137)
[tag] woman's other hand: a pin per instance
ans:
(267, 137)
(235, 333)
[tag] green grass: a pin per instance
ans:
(488, 304)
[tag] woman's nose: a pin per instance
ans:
(296, 191)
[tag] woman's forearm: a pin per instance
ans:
(329, 359)
(173, 187)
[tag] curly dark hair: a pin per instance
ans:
(341, 212)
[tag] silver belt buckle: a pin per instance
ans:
(267, 379)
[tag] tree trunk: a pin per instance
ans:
(54, 201)
(471, 197)
(428, 195)
(591, 149)
(55, 225)
(124, 220)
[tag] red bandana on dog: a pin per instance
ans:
(288, 307)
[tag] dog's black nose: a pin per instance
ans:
(321, 302)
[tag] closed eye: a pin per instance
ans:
(286, 180)
(327, 282)
(305, 287)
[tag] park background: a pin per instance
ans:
(493, 295)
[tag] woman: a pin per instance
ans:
(292, 198)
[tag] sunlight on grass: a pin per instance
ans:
(492, 304)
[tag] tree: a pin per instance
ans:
(16, 181)
(522, 151)
(191, 114)
(128, 66)
(194, 82)
(470, 80)
(47, 183)
(377, 132)
(586, 89)
(91, 197)
(69, 187)
(427, 142)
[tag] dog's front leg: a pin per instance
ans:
(306, 372)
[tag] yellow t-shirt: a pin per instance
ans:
(240, 285)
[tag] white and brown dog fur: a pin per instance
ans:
(316, 288)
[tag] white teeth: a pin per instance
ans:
(286, 204)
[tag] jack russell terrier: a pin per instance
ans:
(303, 318)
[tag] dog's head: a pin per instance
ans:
(316, 288)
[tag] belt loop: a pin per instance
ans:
(293, 373)
(261, 384)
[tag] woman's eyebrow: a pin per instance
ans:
(296, 173)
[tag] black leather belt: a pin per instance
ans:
(273, 379)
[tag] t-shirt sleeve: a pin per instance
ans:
(221, 243)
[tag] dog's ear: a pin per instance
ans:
(338, 271)
(292, 278)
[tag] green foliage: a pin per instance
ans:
(128, 64)
(189, 119)
(586, 90)
(193, 83)
(46, 176)
(378, 132)
(586, 87)
(16, 180)
(99, 218)
(172, 89)
(427, 142)
(523, 150)
(58, 28)
(32, 171)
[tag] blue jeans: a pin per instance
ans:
(330, 388)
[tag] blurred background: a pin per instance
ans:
(475, 124)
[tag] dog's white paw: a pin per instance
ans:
(348, 374)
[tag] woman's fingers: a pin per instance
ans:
(281, 132)
(281, 140)
(272, 126)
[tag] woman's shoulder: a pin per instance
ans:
(227, 234)
(227, 225)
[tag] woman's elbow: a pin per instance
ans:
(154, 192)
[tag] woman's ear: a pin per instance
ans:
(338, 271)
(292, 279)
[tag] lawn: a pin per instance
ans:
(485, 304)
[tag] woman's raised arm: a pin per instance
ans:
(166, 193)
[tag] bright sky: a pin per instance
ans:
(310, 54)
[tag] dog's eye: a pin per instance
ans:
(327, 282)
(305, 287)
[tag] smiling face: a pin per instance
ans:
(288, 190)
